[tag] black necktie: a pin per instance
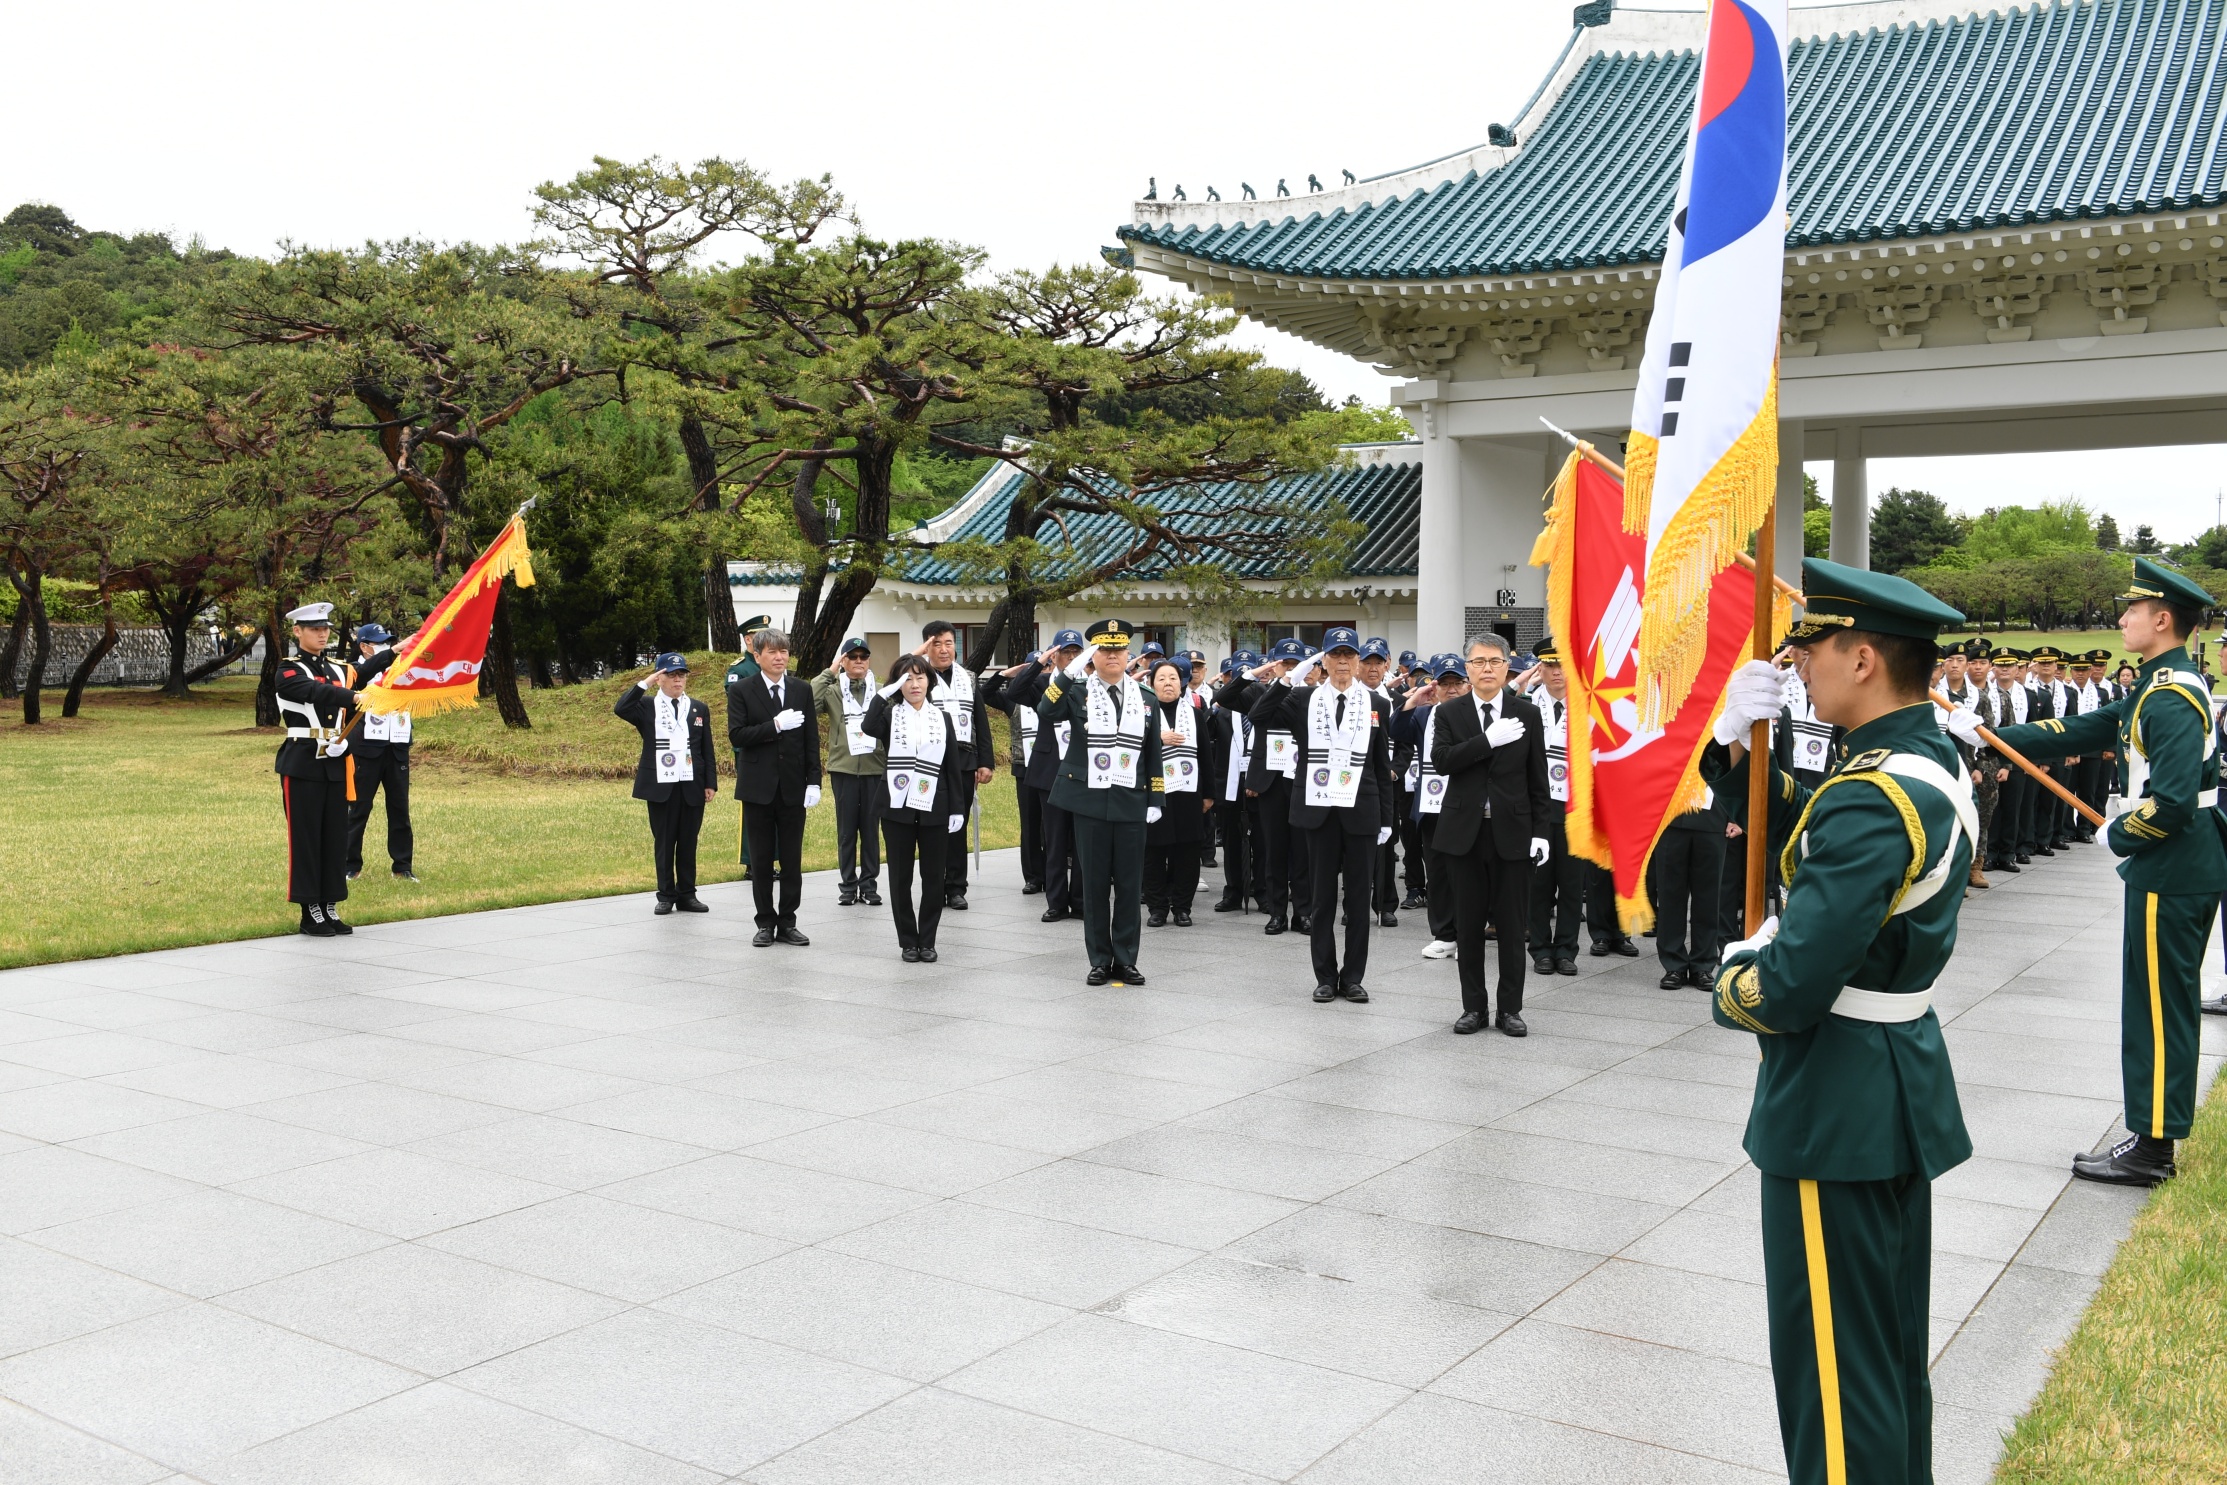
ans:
(1339, 719)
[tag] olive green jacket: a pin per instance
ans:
(2171, 839)
(1838, 1099)
(840, 758)
(1069, 701)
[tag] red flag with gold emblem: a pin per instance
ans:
(437, 669)
(1626, 782)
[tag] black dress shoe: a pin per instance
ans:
(1674, 979)
(663, 907)
(1030, 889)
(1702, 979)
(1273, 925)
(2009, 866)
(313, 922)
(1470, 1024)
(1182, 920)
(1511, 1024)
(2217, 1006)
(404, 874)
(1157, 918)
(928, 954)
(791, 935)
(1387, 920)
(1299, 923)
(870, 898)
(911, 955)
(332, 920)
(955, 901)
(1356, 992)
(1565, 966)
(355, 874)
(1227, 905)
(846, 899)
(1599, 949)
(1542, 964)
(2025, 858)
(1053, 915)
(1098, 975)
(1625, 947)
(1324, 994)
(692, 905)
(1127, 974)
(1492, 933)
(762, 939)
(2131, 1162)
(2042, 851)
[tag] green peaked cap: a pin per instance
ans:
(2152, 580)
(1835, 597)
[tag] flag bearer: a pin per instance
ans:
(315, 694)
(1110, 784)
(1855, 1109)
(382, 761)
(2175, 866)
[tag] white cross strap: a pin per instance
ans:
(1956, 788)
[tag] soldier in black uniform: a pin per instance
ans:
(315, 695)
(382, 761)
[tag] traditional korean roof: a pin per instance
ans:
(2046, 113)
(1380, 489)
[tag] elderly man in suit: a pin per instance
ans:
(772, 720)
(1492, 749)
(677, 775)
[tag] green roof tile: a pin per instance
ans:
(2047, 113)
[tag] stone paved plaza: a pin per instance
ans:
(573, 1193)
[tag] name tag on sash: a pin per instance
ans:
(394, 727)
(1414, 775)
(1180, 773)
(1431, 797)
(854, 737)
(674, 766)
(1111, 764)
(1060, 733)
(911, 787)
(1334, 782)
(1283, 754)
(1811, 751)
(1558, 775)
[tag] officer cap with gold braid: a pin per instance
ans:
(2004, 655)
(2046, 652)
(2154, 581)
(1108, 634)
(1548, 652)
(1836, 598)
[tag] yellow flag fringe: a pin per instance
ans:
(1711, 528)
(1556, 551)
(507, 556)
(1640, 450)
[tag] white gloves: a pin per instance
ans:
(647, 681)
(958, 823)
(1964, 726)
(1754, 694)
(1763, 936)
(2118, 805)
(1541, 852)
(1078, 667)
(811, 796)
(889, 692)
(1297, 675)
(1383, 834)
(1152, 814)
(1504, 732)
(788, 720)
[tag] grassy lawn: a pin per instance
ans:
(2139, 1395)
(147, 824)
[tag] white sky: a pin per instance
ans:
(1025, 129)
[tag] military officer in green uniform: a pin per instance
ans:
(2175, 867)
(745, 668)
(1109, 781)
(1855, 1109)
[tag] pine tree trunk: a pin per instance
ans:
(501, 670)
(719, 608)
(177, 626)
(12, 651)
(266, 684)
(33, 597)
(93, 657)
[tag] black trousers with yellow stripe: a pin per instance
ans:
(1847, 1266)
(2163, 955)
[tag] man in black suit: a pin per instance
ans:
(957, 690)
(1492, 750)
(678, 774)
(773, 723)
(1342, 801)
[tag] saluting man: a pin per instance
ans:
(1111, 786)
(2175, 866)
(382, 760)
(676, 776)
(315, 693)
(1855, 1109)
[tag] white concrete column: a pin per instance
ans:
(1439, 554)
(1786, 556)
(1851, 502)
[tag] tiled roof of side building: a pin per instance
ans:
(1381, 491)
(2047, 113)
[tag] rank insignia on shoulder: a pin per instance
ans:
(1865, 762)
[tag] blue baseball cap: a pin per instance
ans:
(1068, 639)
(1152, 647)
(856, 646)
(1340, 638)
(672, 662)
(375, 633)
(1407, 659)
(1376, 649)
(1446, 665)
(1032, 657)
(1289, 649)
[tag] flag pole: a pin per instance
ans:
(2039, 776)
(1759, 737)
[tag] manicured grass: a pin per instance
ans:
(2139, 1394)
(147, 824)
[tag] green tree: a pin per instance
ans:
(2006, 532)
(2145, 541)
(2107, 532)
(1909, 528)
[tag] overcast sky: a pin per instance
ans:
(1025, 129)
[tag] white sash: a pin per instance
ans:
(1116, 743)
(956, 699)
(1430, 784)
(1179, 762)
(854, 717)
(1240, 756)
(1334, 774)
(917, 737)
(675, 763)
(1029, 723)
(1558, 750)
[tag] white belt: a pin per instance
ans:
(2207, 798)
(321, 734)
(1883, 1005)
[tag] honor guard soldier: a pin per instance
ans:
(2175, 867)
(382, 761)
(1110, 784)
(676, 776)
(1855, 1111)
(315, 694)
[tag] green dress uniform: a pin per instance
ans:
(1855, 1108)
(1109, 819)
(2175, 869)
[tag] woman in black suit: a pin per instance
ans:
(921, 813)
(1174, 842)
